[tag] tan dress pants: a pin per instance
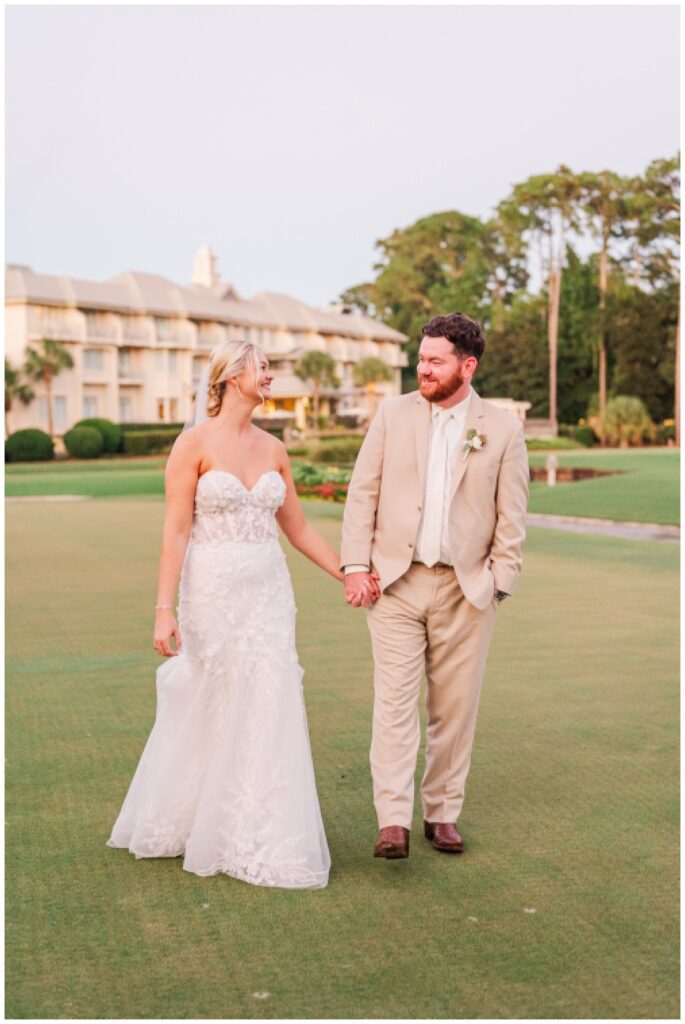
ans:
(423, 622)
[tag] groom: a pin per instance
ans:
(436, 507)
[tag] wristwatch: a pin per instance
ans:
(501, 594)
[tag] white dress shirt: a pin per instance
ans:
(455, 431)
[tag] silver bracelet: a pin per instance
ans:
(158, 607)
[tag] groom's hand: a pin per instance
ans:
(361, 589)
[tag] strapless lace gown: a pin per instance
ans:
(226, 777)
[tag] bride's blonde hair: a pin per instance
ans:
(230, 359)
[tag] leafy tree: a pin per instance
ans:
(438, 264)
(514, 364)
(15, 390)
(318, 368)
(44, 362)
(656, 241)
(641, 336)
(369, 372)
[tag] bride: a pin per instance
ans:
(226, 777)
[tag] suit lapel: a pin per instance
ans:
(422, 421)
(474, 420)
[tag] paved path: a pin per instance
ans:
(606, 527)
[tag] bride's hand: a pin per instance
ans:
(166, 627)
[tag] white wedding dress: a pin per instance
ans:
(226, 777)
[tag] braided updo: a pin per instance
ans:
(230, 359)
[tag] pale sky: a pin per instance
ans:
(291, 138)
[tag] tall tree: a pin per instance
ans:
(546, 208)
(605, 201)
(44, 362)
(317, 368)
(15, 390)
(656, 241)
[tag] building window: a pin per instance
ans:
(90, 406)
(93, 359)
(60, 410)
(99, 325)
(160, 361)
(198, 366)
(124, 362)
(260, 337)
(173, 362)
(160, 410)
(125, 409)
(173, 409)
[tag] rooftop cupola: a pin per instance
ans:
(204, 268)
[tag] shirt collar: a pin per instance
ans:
(455, 410)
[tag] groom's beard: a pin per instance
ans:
(445, 390)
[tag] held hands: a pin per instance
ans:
(166, 627)
(361, 589)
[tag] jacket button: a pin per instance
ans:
(410, 545)
(418, 508)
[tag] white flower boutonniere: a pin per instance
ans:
(474, 441)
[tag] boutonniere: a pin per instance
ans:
(474, 441)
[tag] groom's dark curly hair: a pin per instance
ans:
(465, 334)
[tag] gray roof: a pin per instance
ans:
(134, 292)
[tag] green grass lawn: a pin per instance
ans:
(571, 809)
(646, 487)
(645, 490)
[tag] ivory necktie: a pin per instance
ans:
(435, 489)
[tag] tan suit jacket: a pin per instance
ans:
(487, 511)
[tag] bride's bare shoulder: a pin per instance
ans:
(188, 445)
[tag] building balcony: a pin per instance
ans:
(133, 378)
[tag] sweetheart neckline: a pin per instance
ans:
(248, 490)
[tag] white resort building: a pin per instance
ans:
(139, 343)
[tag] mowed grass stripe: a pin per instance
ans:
(571, 807)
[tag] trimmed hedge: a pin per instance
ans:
(344, 450)
(111, 433)
(30, 445)
(137, 428)
(84, 442)
(149, 442)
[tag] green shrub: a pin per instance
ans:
(84, 442)
(136, 428)
(29, 445)
(665, 432)
(344, 450)
(149, 442)
(585, 435)
(310, 476)
(110, 432)
(626, 421)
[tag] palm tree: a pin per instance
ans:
(547, 210)
(604, 199)
(15, 388)
(43, 363)
(319, 369)
(369, 372)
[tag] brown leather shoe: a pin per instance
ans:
(392, 843)
(443, 836)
